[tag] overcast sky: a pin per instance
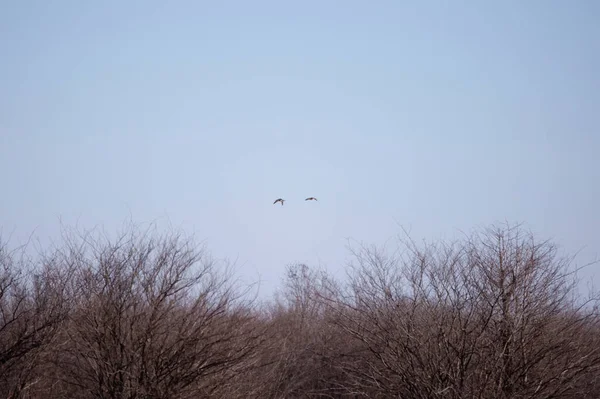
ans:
(436, 116)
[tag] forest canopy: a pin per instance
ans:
(495, 314)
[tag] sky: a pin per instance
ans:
(437, 117)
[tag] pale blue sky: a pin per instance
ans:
(434, 115)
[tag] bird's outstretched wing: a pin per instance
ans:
(310, 199)
(278, 200)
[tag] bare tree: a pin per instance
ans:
(32, 307)
(536, 316)
(154, 317)
(297, 361)
(493, 316)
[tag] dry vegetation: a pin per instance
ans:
(494, 315)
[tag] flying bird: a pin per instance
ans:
(279, 200)
(310, 199)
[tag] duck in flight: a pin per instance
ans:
(279, 200)
(310, 199)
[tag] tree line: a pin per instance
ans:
(496, 314)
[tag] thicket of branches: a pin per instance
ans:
(494, 315)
